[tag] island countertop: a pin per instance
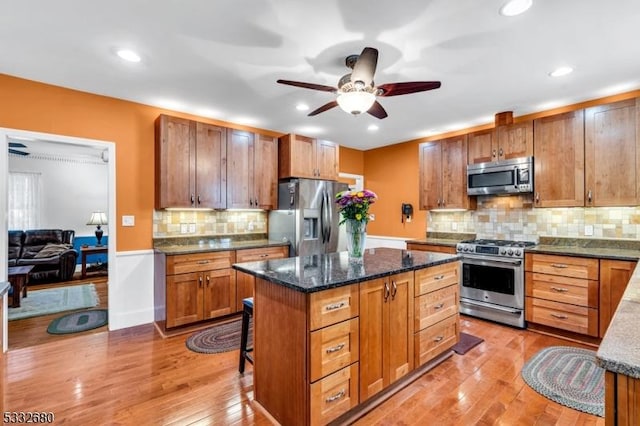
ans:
(309, 274)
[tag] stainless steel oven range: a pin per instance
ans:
(493, 280)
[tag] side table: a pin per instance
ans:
(86, 251)
(19, 278)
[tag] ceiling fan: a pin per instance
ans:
(13, 145)
(357, 92)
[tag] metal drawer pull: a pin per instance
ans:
(439, 277)
(439, 306)
(559, 265)
(202, 262)
(264, 255)
(560, 289)
(337, 396)
(559, 316)
(335, 348)
(334, 306)
(438, 339)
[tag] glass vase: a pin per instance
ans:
(356, 237)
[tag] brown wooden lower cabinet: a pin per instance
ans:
(614, 277)
(622, 400)
(245, 282)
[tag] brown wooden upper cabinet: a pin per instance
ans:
(305, 157)
(443, 174)
(559, 160)
(252, 180)
(502, 143)
(190, 164)
(612, 154)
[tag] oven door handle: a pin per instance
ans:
(491, 306)
(483, 262)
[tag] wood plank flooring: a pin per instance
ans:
(134, 376)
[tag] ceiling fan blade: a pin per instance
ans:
(308, 85)
(323, 108)
(395, 89)
(377, 111)
(16, 152)
(16, 145)
(365, 66)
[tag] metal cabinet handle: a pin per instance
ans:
(444, 202)
(493, 153)
(439, 306)
(559, 316)
(438, 277)
(386, 291)
(200, 281)
(559, 265)
(394, 290)
(198, 199)
(438, 339)
(193, 199)
(264, 255)
(537, 198)
(589, 196)
(335, 348)
(560, 289)
(334, 306)
(337, 396)
(202, 262)
(501, 153)
(208, 280)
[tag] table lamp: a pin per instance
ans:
(98, 219)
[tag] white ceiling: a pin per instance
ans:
(221, 58)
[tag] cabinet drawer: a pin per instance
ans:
(332, 306)
(433, 307)
(334, 395)
(578, 319)
(575, 291)
(436, 277)
(334, 347)
(567, 266)
(183, 263)
(434, 340)
(262, 253)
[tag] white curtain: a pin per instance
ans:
(24, 200)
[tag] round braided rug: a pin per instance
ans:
(219, 338)
(568, 376)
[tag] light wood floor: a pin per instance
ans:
(33, 331)
(133, 376)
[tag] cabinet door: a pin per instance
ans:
(184, 299)
(175, 162)
(240, 173)
(400, 338)
(245, 285)
(515, 140)
(297, 157)
(373, 309)
(482, 146)
(559, 160)
(219, 293)
(211, 166)
(454, 173)
(612, 154)
(328, 155)
(614, 277)
(265, 176)
(430, 175)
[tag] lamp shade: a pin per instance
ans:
(356, 102)
(98, 218)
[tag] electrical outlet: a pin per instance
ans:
(588, 230)
(184, 228)
(192, 228)
(372, 217)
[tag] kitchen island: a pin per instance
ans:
(334, 338)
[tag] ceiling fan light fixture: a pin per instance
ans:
(515, 7)
(356, 102)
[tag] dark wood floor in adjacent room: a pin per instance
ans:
(133, 376)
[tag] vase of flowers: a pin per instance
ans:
(354, 208)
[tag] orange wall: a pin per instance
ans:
(37, 107)
(351, 161)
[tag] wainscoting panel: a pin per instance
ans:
(131, 289)
(393, 242)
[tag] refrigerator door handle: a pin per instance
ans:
(329, 215)
(323, 219)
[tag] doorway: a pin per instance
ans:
(12, 138)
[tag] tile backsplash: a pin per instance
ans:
(171, 223)
(515, 218)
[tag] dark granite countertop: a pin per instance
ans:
(449, 239)
(309, 274)
(589, 247)
(208, 245)
(4, 287)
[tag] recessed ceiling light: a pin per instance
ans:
(515, 7)
(128, 55)
(302, 107)
(372, 127)
(559, 72)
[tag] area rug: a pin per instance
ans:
(78, 322)
(466, 343)
(568, 376)
(219, 338)
(53, 300)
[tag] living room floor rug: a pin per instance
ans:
(53, 300)
(568, 376)
(79, 321)
(219, 338)
(466, 343)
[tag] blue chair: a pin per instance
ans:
(247, 314)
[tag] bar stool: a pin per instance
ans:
(247, 314)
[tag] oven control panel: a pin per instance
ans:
(490, 250)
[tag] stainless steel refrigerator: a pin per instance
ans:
(308, 216)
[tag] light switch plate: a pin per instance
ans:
(128, 220)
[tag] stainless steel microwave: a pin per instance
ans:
(513, 176)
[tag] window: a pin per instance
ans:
(24, 200)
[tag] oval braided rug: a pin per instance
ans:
(219, 338)
(79, 321)
(568, 376)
